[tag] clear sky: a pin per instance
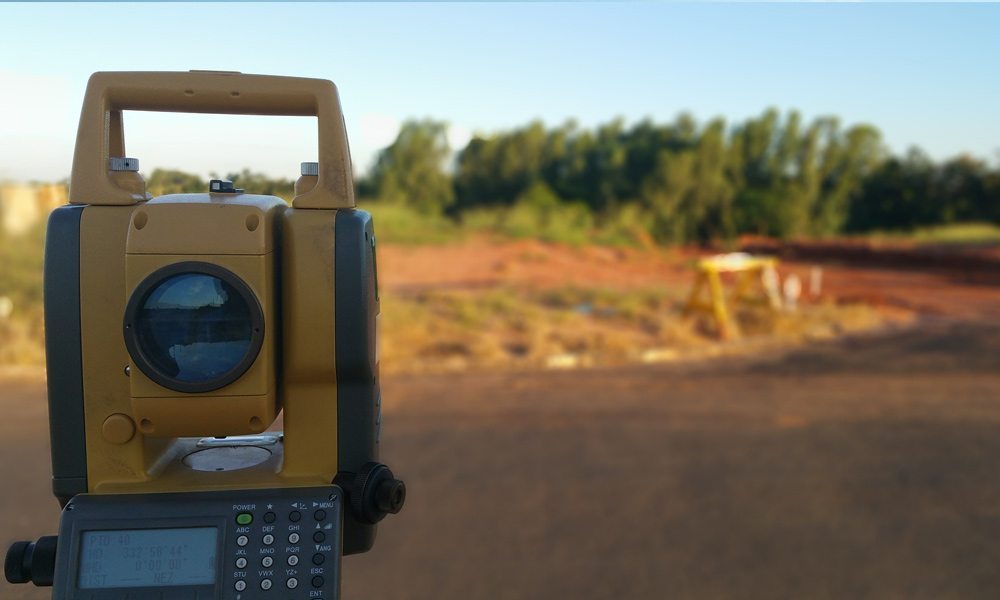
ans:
(926, 75)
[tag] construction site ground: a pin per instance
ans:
(863, 466)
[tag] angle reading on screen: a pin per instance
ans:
(148, 557)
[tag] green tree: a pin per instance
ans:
(771, 174)
(258, 183)
(172, 181)
(853, 157)
(896, 195)
(665, 195)
(962, 188)
(496, 170)
(712, 193)
(411, 171)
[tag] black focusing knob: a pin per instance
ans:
(17, 565)
(375, 492)
(390, 495)
(32, 561)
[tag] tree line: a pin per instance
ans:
(682, 181)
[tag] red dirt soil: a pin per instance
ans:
(968, 286)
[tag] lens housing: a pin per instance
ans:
(193, 327)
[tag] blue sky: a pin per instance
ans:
(926, 75)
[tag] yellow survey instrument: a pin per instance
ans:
(178, 329)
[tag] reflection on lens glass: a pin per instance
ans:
(194, 327)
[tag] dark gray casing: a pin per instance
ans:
(358, 396)
(63, 352)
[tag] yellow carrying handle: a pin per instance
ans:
(100, 134)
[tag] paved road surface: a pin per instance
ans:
(867, 468)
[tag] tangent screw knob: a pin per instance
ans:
(376, 492)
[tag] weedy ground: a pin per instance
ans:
(455, 299)
(573, 327)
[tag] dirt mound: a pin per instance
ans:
(982, 260)
(955, 281)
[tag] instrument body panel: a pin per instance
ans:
(228, 545)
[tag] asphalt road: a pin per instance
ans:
(864, 468)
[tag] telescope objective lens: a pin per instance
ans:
(193, 330)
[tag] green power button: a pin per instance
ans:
(244, 518)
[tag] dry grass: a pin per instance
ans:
(523, 329)
(571, 327)
(615, 317)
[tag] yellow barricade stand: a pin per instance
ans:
(756, 280)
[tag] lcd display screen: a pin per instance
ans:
(148, 557)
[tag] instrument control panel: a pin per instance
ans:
(229, 545)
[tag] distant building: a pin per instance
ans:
(22, 205)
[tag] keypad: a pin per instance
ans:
(269, 538)
(285, 551)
